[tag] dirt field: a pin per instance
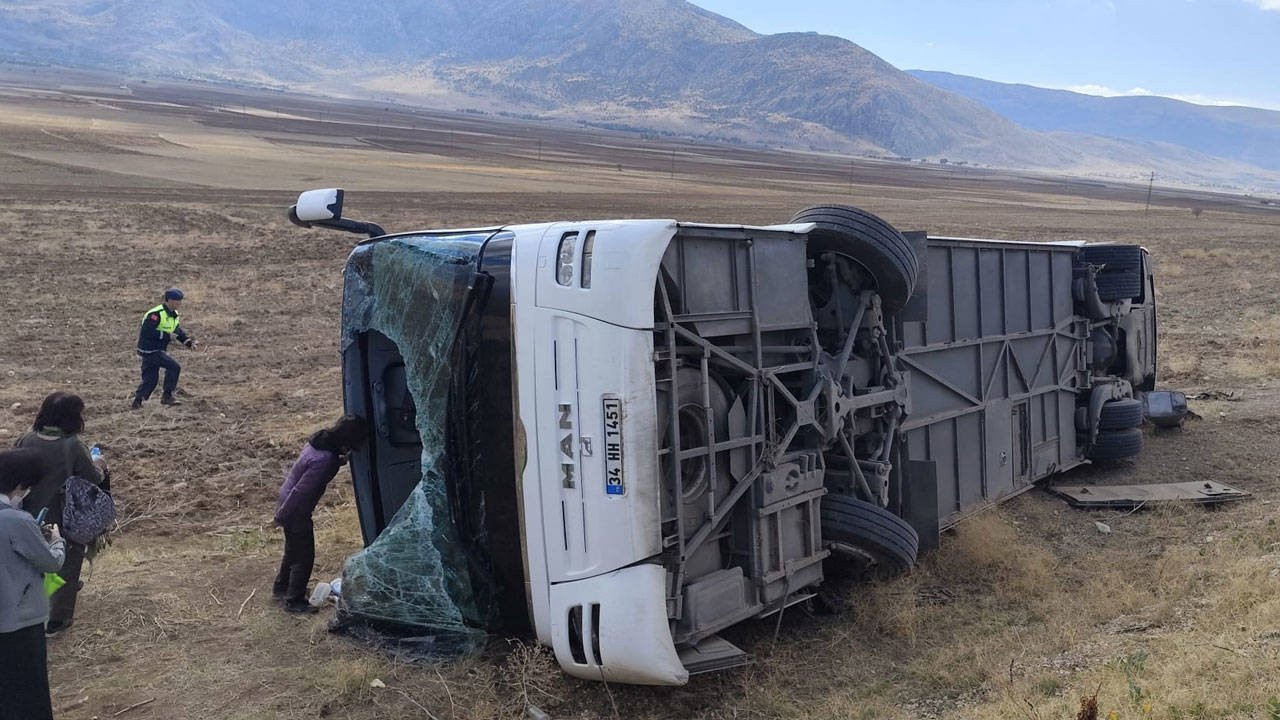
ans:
(108, 195)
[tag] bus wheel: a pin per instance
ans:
(886, 540)
(869, 241)
(1116, 444)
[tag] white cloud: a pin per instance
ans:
(1273, 5)
(1104, 91)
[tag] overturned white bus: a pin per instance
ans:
(624, 436)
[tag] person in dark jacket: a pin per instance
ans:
(25, 556)
(159, 326)
(321, 457)
(55, 437)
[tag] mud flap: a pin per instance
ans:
(920, 504)
(917, 307)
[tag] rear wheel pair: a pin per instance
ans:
(1119, 435)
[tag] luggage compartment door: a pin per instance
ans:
(998, 439)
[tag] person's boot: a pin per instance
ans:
(136, 404)
(299, 606)
(169, 399)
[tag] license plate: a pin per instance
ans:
(614, 484)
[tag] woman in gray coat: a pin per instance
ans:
(25, 556)
(56, 436)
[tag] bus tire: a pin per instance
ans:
(888, 539)
(1116, 444)
(869, 241)
(1120, 415)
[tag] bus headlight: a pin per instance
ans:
(565, 258)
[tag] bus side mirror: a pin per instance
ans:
(317, 206)
(323, 208)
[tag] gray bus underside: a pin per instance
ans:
(775, 393)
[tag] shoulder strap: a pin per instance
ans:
(68, 461)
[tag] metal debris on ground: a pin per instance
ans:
(1228, 395)
(1203, 492)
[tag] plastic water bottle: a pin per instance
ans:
(321, 594)
(95, 453)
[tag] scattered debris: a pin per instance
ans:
(73, 705)
(533, 712)
(1228, 395)
(376, 683)
(246, 602)
(134, 706)
(1121, 626)
(1102, 527)
(935, 595)
(1165, 408)
(320, 596)
(1204, 492)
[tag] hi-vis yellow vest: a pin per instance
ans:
(168, 323)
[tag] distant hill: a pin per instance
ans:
(1246, 135)
(661, 64)
(657, 65)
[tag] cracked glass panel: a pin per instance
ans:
(414, 291)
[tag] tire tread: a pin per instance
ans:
(1120, 415)
(870, 527)
(1116, 444)
(871, 242)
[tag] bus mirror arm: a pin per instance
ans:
(355, 226)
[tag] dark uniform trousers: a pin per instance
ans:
(152, 363)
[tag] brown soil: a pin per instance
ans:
(106, 198)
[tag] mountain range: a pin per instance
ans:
(657, 65)
(1244, 134)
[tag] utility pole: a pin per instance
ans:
(673, 164)
(1150, 184)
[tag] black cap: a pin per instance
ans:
(173, 293)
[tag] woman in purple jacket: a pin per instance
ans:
(321, 457)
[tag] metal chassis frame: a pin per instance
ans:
(677, 344)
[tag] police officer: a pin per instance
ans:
(159, 326)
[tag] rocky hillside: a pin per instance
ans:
(661, 64)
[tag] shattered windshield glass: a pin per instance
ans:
(415, 290)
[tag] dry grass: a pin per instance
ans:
(1020, 614)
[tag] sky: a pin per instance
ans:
(1205, 51)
